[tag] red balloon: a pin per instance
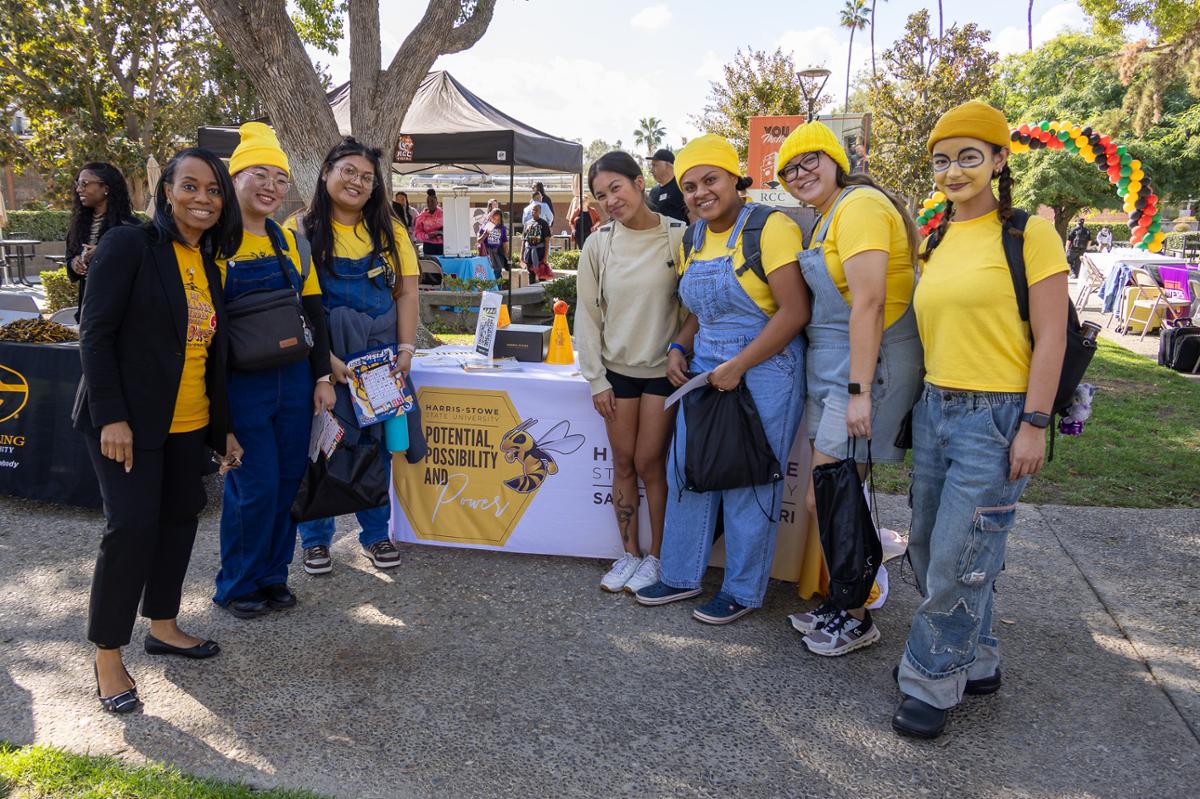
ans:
(1106, 141)
(1024, 129)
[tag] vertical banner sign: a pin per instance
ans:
(485, 328)
(766, 137)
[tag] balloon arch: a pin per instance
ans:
(1124, 171)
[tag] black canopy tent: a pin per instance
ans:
(450, 129)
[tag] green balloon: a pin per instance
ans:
(1120, 149)
(1064, 135)
(1126, 172)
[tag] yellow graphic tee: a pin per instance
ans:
(254, 247)
(781, 240)
(191, 403)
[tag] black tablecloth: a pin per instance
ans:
(41, 455)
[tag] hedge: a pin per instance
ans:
(44, 225)
(61, 292)
(567, 259)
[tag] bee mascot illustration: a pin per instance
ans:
(536, 461)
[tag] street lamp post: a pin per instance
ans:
(814, 74)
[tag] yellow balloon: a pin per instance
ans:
(1018, 147)
(1081, 142)
(928, 204)
(1160, 235)
(1076, 132)
(1134, 187)
(938, 197)
(1155, 246)
(1129, 207)
(1135, 165)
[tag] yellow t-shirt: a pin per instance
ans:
(781, 240)
(967, 308)
(866, 220)
(254, 247)
(191, 403)
(355, 242)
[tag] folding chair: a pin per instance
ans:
(1089, 283)
(1142, 303)
(431, 273)
(1176, 294)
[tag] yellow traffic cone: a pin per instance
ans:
(503, 321)
(560, 351)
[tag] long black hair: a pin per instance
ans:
(116, 212)
(222, 239)
(538, 187)
(377, 213)
(1004, 188)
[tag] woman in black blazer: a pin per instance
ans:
(153, 344)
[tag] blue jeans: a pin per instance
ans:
(271, 411)
(963, 508)
(373, 524)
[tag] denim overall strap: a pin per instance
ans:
(269, 272)
(354, 283)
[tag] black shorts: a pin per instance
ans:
(625, 387)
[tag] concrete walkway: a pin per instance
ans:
(465, 674)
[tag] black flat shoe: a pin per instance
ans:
(279, 597)
(980, 687)
(918, 719)
(197, 652)
(248, 607)
(124, 702)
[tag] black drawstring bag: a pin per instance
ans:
(848, 535)
(354, 479)
(726, 444)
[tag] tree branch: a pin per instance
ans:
(365, 58)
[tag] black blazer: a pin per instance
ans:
(81, 279)
(132, 339)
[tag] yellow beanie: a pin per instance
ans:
(812, 137)
(975, 119)
(258, 147)
(707, 150)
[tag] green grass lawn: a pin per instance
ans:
(1140, 449)
(39, 772)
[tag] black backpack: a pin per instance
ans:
(1080, 349)
(1179, 349)
(751, 240)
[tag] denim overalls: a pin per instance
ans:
(729, 321)
(356, 285)
(897, 382)
(271, 412)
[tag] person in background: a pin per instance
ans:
(979, 429)
(153, 346)
(666, 198)
(864, 354)
(368, 274)
(493, 242)
(427, 229)
(583, 221)
(100, 202)
(626, 316)
(740, 327)
(1078, 238)
(537, 200)
(1104, 239)
(269, 408)
(403, 210)
(861, 162)
(535, 242)
(540, 189)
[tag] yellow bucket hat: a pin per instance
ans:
(975, 119)
(707, 150)
(258, 147)
(812, 137)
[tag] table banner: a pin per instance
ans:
(520, 462)
(41, 455)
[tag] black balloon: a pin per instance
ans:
(1025, 138)
(1141, 203)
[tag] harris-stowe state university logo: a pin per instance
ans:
(14, 392)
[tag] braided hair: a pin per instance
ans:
(1004, 191)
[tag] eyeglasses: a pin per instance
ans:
(808, 163)
(352, 175)
(264, 179)
(81, 185)
(967, 159)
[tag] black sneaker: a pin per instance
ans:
(317, 560)
(250, 606)
(279, 597)
(383, 554)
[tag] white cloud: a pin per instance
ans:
(712, 66)
(1055, 20)
(652, 18)
(826, 47)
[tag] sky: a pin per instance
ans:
(589, 70)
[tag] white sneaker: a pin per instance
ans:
(647, 574)
(620, 572)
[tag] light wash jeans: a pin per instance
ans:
(963, 508)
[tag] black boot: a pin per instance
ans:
(918, 719)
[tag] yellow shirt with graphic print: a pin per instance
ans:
(191, 403)
(254, 247)
(781, 240)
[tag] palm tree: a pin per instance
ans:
(873, 4)
(854, 17)
(1029, 23)
(650, 132)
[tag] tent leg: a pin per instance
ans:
(512, 223)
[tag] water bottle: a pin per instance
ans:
(1090, 330)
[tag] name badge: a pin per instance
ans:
(376, 272)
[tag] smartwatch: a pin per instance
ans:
(854, 388)
(1039, 420)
